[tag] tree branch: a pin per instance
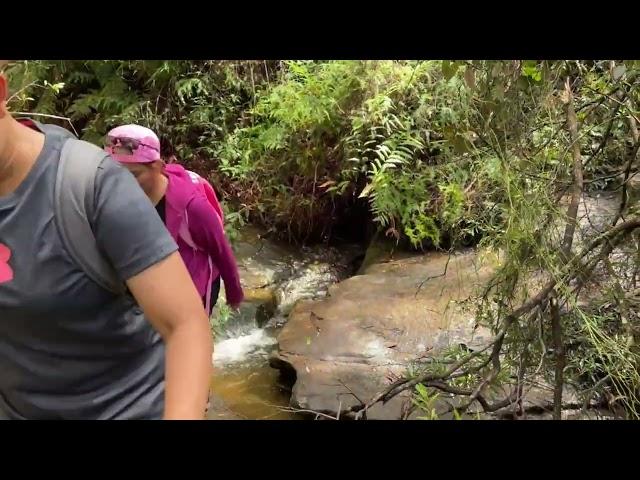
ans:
(605, 137)
(567, 242)
(578, 181)
(633, 127)
(556, 331)
(444, 273)
(619, 102)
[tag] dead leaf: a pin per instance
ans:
(470, 77)
(392, 232)
(328, 183)
(365, 191)
(618, 72)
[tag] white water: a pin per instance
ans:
(237, 349)
(309, 278)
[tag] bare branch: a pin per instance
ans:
(435, 276)
(633, 127)
(620, 101)
(57, 117)
(556, 329)
(351, 392)
(605, 137)
(304, 410)
(578, 184)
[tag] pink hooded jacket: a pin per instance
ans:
(197, 228)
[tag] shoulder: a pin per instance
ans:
(110, 173)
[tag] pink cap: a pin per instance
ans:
(148, 149)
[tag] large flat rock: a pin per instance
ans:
(374, 325)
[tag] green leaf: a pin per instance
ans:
(532, 72)
(449, 69)
(421, 389)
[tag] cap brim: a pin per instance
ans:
(130, 158)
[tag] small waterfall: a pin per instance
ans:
(275, 277)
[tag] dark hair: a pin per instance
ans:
(166, 147)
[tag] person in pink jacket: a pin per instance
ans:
(189, 208)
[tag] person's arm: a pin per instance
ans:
(208, 233)
(170, 301)
(133, 237)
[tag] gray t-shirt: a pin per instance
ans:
(68, 348)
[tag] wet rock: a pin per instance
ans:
(375, 325)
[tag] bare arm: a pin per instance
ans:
(135, 240)
(170, 301)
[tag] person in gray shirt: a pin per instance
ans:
(69, 349)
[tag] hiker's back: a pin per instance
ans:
(70, 349)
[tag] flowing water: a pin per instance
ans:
(275, 277)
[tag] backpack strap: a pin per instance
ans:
(74, 205)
